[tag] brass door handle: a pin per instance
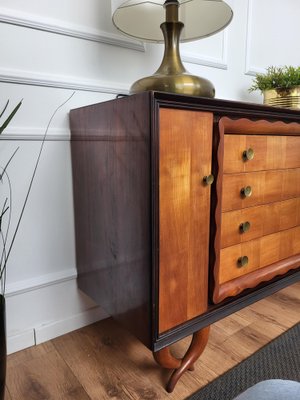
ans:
(246, 191)
(245, 226)
(242, 261)
(248, 154)
(208, 180)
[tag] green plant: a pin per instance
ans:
(10, 117)
(285, 77)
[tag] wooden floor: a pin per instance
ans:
(102, 361)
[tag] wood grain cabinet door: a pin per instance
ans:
(185, 148)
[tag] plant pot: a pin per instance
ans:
(3, 352)
(281, 97)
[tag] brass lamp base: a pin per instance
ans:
(183, 83)
(171, 76)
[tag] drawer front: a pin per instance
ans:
(246, 153)
(266, 187)
(251, 223)
(260, 253)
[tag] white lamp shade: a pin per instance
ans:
(141, 18)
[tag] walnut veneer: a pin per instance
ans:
(164, 249)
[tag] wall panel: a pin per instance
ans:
(272, 32)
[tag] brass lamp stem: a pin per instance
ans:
(171, 11)
(171, 63)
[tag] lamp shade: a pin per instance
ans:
(142, 19)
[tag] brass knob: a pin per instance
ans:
(244, 227)
(208, 180)
(248, 154)
(242, 261)
(246, 191)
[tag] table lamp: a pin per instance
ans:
(171, 21)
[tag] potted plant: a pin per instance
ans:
(280, 86)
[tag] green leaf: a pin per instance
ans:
(5, 107)
(10, 117)
(277, 77)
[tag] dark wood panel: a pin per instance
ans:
(233, 110)
(111, 181)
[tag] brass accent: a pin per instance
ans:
(171, 76)
(248, 154)
(242, 261)
(281, 97)
(209, 179)
(245, 226)
(246, 191)
(171, 7)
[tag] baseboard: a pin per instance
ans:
(58, 328)
(39, 282)
(54, 329)
(21, 341)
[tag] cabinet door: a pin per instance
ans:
(185, 147)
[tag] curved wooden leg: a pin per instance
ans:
(167, 360)
(196, 348)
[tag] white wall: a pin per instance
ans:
(49, 49)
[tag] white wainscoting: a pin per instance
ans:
(23, 77)
(18, 299)
(272, 29)
(194, 53)
(25, 20)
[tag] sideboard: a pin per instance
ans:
(186, 210)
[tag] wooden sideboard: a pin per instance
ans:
(186, 210)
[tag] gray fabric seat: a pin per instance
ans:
(273, 389)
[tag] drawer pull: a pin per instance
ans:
(248, 154)
(208, 180)
(244, 227)
(242, 261)
(246, 191)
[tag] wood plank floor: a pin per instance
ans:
(102, 361)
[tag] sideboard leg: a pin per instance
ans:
(167, 360)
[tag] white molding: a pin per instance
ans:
(250, 70)
(61, 327)
(220, 63)
(27, 285)
(22, 77)
(21, 341)
(25, 20)
(35, 134)
(54, 329)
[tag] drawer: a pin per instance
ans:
(266, 152)
(264, 187)
(260, 253)
(251, 223)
